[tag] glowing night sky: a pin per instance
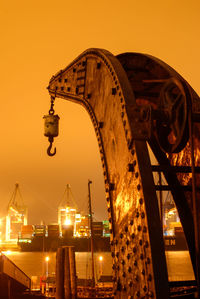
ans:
(38, 38)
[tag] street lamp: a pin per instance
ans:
(100, 265)
(47, 270)
(47, 263)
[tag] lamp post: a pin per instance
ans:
(47, 269)
(100, 265)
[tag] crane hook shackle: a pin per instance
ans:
(50, 147)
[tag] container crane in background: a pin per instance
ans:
(16, 215)
(67, 212)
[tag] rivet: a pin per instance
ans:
(135, 263)
(121, 235)
(141, 256)
(144, 229)
(122, 249)
(89, 96)
(62, 88)
(130, 143)
(59, 80)
(138, 294)
(124, 274)
(111, 186)
(130, 285)
(116, 241)
(122, 262)
(76, 90)
(126, 229)
(65, 80)
(133, 152)
(133, 236)
(139, 228)
(134, 249)
(136, 175)
(131, 222)
(143, 215)
(143, 272)
(100, 125)
(74, 70)
(140, 242)
(56, 87)
(110, 220)
(117, 254)
(127, 242)
(129, 269)
(114, 91)
(137, 214)
(141, 201)
(83, 63)
(134, 163)
(128, 256)
(144, 288)
(149, 277)
(109, 210)
(122, 114)
(119, 285)
(112, 243)
(146, 244)
(107, 197)
(113, 267)
(130, 167)
(113, 254)
(138, 187)
(136, 278)
(68, 88)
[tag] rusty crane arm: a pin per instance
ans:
(124, 96)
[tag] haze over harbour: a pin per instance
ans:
(41, 37)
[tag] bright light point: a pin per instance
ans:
(8, 252)
(67, 222)
(100, 258)
(47, 258)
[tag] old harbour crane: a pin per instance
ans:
(138, 104)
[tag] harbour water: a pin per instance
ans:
(35, 264)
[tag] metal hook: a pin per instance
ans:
(50, 147)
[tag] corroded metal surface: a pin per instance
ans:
(97, 81)
(147, 76)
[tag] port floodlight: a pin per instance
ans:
(47, 258)
(100, 258)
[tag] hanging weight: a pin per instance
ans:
(51, 125)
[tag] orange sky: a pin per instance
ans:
(38, 38)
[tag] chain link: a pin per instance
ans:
(51, 111)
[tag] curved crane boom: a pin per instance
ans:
(122, 96)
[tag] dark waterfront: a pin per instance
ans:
(35, 265)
